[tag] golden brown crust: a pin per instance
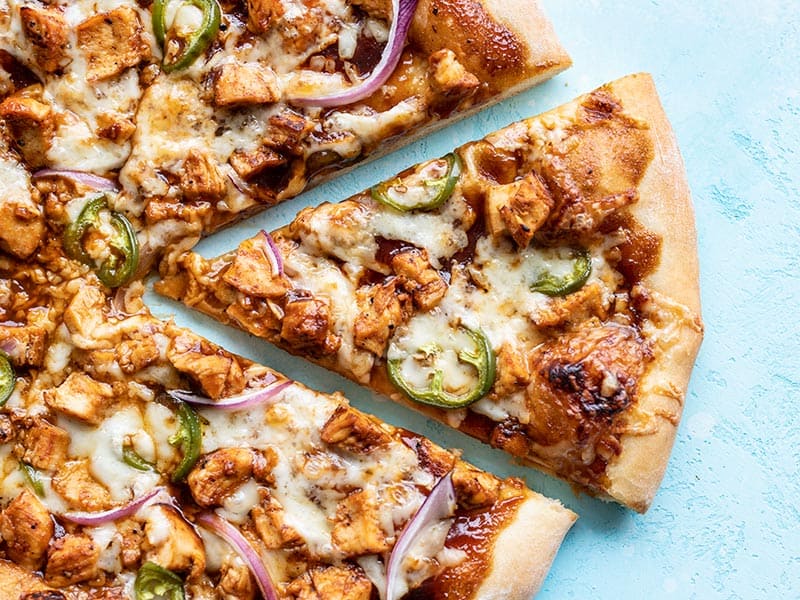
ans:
(666, 209)
(527, 545)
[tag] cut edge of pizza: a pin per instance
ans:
(558, 258)
(250, 116)
(139, 458)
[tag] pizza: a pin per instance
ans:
(142, 461)
(196, 113)
(536, 289)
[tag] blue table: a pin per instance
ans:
(726, 522)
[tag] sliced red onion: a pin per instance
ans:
(10, 346)
(90, 180)
(242, 547)
(114, 514)
(273, 254)
(239, 183)
(437, 506)
(402, 14)
(242, 401)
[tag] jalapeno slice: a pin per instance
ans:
(33, 478)
(481, 357)
(188, 439)
(181, 49)
(552, 285)
(426, 187)
(154, 582)
(131, 458)
(7, 379)
(123, 245)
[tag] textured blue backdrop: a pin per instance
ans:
(726, 523)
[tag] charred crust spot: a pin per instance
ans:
(572, 379)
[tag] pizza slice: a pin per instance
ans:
(201, 112)
(141, 461)
(537, 289)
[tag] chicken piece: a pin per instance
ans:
(248, 164)
(287, 130)
(26, 527)
(357, 526)
(381, 309)
(115, 127)
(82, 398)
(32, 126)
(26, 583)
(84, 314)
(252, 273)
(377, 9)
(217, 372)
(306, 326)
(7, 432)
(21, 218)
(75, 484)
(354, 431)
(48, 33)
(43, 595)
(474, 488)
(513, 371)
(44, 446)
(433, 458)
(576, 307)
(72, 559)
(415, 274)
(268, 518)
(263, 14)
(238, 84)
(132, 534)
(448, 77)
(218, 474)
(112, 42)
(136, 354)
(200, 179)
(347, 582)
(172, 543)
(29, 344)
(235, 581)
(528, 209)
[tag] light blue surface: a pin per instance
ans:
(726, 522)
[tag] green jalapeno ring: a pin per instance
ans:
(114, 271)
(439, 189)
(131, 458)
(482, 357)
(550, 285)
(154, 581)
(197, 42)
(188, 438)
(33, 478)
(8, 378)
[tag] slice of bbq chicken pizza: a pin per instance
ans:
(537, 289)
(142, 461)
(200, 113)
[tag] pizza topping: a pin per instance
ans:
(244, 549)
(402, 15)
(456, 389)
(426, 187)
(248, 399)
(188, 439)
(72, 559)
(89, 180)
(133, 459)
(154, 582)
(551, 284)
(27, 528)
(114, 514)
(438, 506)
(112, 242)
(33, 478)
(185, 37)
(8, 379)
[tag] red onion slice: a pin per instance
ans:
(402, 14)
(90, 180)
(273, 254)
(242, 401)
(242, 547)
(114, 514)
(437, 506)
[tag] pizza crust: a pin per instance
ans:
(527, 545)
(665, 208)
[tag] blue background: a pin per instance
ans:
(726, 522)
